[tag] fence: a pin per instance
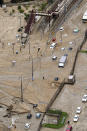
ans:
(30, 22)
(51, 102)
(76, 56)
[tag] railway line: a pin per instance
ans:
(52, 17)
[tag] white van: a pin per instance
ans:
(84, 18)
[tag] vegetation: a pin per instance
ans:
(50, 1)
(83, 51)
(26, 6)
(55, 111)
(1, 2)
(20, 9)
(42, 7)
(13, 11)
(16, 1)
(61, 122)
(26, 16)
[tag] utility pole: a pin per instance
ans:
(28, 40)
(20, 31)
(13, 47)
(49, 23)
(61, 30)
(21, 91)
(29, 47)
(32, 69)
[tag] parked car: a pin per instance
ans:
(69, 128)
(29, 116)
(78, 110)
(27, 125)
(70, 48)
(84, 98)
(53, 45)
(54, 57)
(35, 105)
(62, 48)
(76, 117)
(61, 65)
(65, 54)
(86, 88)
(38, 115)
(56, 78)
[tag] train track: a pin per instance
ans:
(66, 9)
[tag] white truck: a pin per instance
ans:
(62, 61)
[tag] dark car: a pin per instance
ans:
(56, 78)
(54, 57)
(69, 128)
(20, 29)
(35, 105)
(29, 116)
(65, 54)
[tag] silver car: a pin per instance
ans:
(84, 98)
(76, 117)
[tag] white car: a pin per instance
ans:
(85, 88)
(27, 125)
(78, 110)
(84, 98)
(61, 65)
(52, 45)
(54, 57)
(62, 48)
(76, 117)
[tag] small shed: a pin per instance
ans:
(13, 63)
(71, 78)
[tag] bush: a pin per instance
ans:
(55, 111)
(13, 10)
(26, 6)
(83, 51)
(26, 16)
(21, 10)
(19, 7)
(50, 1)
(43, 6)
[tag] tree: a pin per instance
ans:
(1, 2)
(50, 1)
